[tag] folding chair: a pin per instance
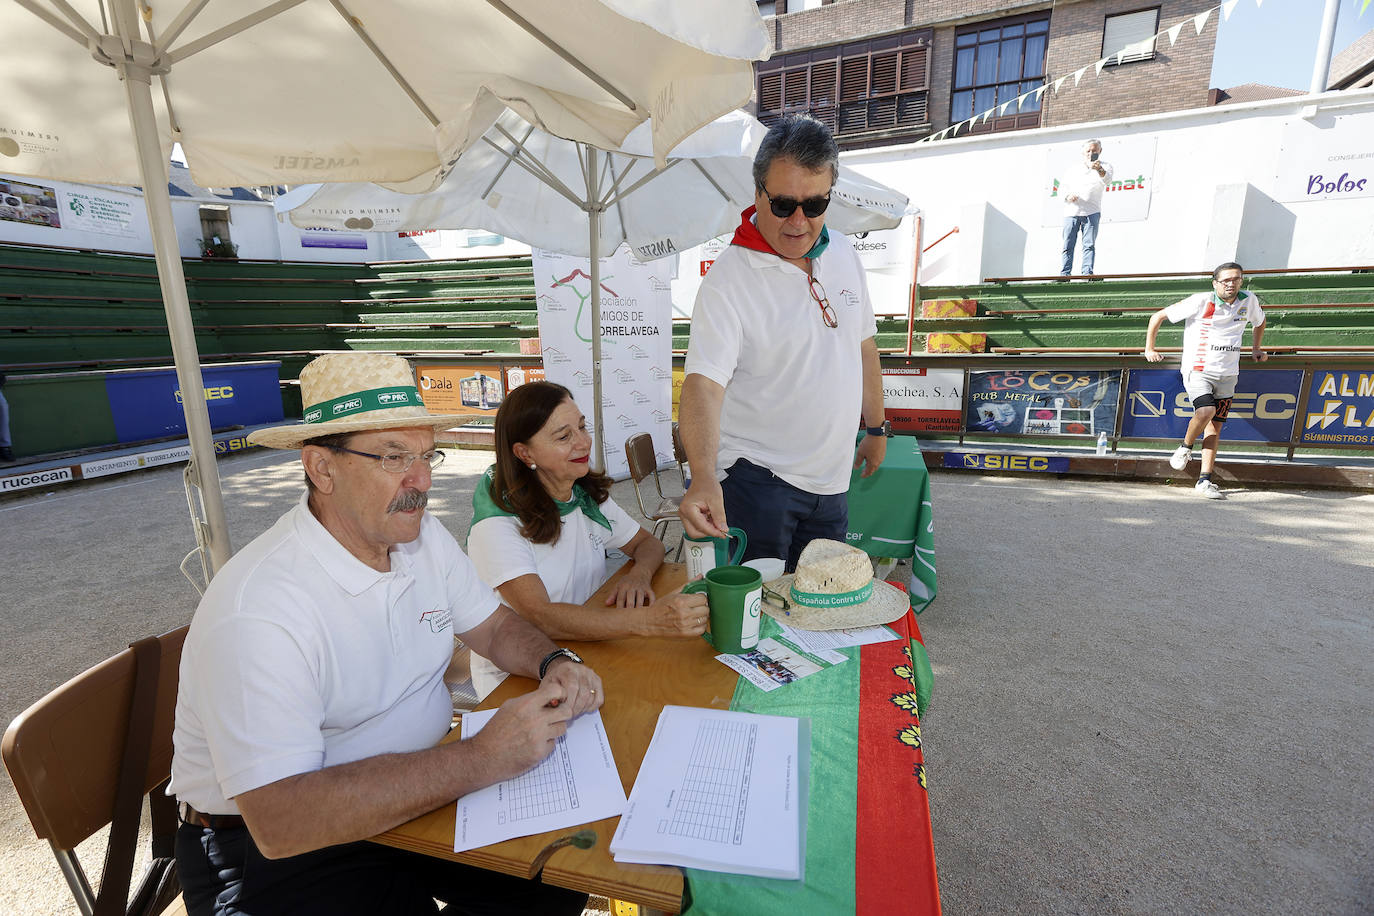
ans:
(639, 453)
(82, 758)
(680, 455)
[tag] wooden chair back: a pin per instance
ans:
(64, 752)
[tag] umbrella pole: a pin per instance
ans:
(594, 208)
(213, 535)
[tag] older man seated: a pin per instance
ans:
(312, 695)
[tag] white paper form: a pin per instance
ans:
(814, 641)
(576, 784)
(717, 790)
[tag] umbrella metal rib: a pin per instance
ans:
(210, 39)
(562, 52)
(385, 61)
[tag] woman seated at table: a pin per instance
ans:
(542, 522)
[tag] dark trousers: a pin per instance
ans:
(223, 873)
(779, 519)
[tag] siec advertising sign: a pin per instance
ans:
(1263, 408)
(976, 461)
(1340, 408)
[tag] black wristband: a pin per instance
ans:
(553, 656)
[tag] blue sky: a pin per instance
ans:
(1276, 43)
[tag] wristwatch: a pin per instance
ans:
(553, 656)
(885, 430)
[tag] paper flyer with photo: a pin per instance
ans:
(772, 664)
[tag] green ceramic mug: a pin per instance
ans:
(705, 554)
(735, 595)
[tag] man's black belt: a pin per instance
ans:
(196, 818)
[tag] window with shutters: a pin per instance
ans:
(873, 90)
(995, 63)
(1130, 36)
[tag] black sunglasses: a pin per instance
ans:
(784, 207)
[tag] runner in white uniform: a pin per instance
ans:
(1212, 342)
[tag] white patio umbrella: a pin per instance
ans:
(292, 91)
(569, 196)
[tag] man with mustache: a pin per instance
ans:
(312, 696)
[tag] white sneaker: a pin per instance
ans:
(1208, 489)
(1180, 458)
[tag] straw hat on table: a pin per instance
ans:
(833, 589)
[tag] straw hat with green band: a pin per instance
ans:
(354, 392)
(833, 589)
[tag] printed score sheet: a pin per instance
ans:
(576, 784)
(718, 791)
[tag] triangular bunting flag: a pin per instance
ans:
(1039, 91)
(1173, 33)
(1200, 20)
(1120, 56)
(1021, 99)
(987, 114)
(1226, 9)
(1099, 65)
(1059, 82)
(1259, 3)
(1078, 75)
(1005, 106)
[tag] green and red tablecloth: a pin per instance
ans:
(868, 838)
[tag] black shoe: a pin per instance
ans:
(6, 454)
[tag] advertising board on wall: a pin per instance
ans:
(101, 213)
(468, 390)
(146, 404)
(1263, 409)
(1340, 408)
(1127, 196)
(21, 202)
(1327, 160)
(1042, 402)
(923, 400)
(519, 375)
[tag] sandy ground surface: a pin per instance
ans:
(1144, 702)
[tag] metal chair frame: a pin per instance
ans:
(639, 455)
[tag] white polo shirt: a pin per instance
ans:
(301, 657)
(1088, 186)
(571, 569)
(793, 386)
(1214, 335)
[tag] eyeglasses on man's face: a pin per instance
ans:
(818, 293)
(397, 462)
(784, 207)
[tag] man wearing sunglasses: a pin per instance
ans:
(782, 362)
(1212, 341)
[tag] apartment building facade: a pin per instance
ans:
(884, 72)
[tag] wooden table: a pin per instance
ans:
(640, 677)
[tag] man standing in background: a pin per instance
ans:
(1083, 206)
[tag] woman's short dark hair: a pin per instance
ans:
(514, 486)
(802, 139)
